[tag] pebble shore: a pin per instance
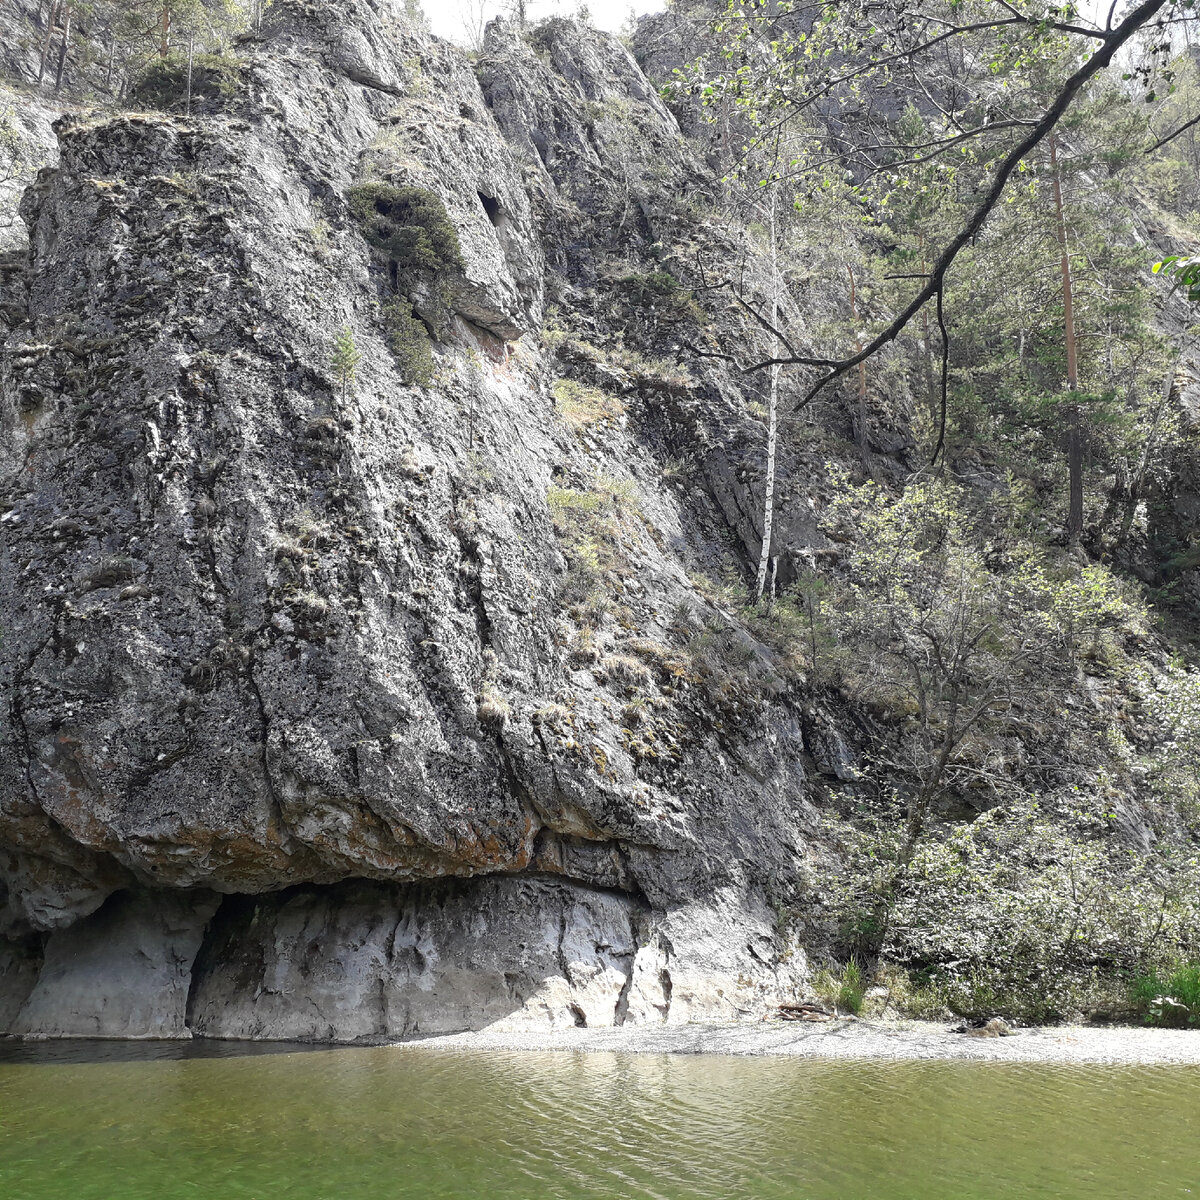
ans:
(851, 1039)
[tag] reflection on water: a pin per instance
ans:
(161, 1123)
(62, 1051)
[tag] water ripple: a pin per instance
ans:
(400, 1123)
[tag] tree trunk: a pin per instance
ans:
(772, 417)
(862, 367)
(927, 357)
(62, 52)
(1075, 469)
(165, 44)
(1074, 416)
(50, 23)
(191, 59)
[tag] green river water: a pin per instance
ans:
(122, 1122)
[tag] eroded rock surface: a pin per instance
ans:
(322, 648)
(122, 973)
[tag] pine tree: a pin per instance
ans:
(345, 359)
(1074, 429)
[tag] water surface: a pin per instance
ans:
(120, 1122)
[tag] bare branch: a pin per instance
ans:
(1073, 86)
(1172, 136)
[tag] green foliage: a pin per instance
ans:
(344, 359)
(1185, 270)
(662, 290)
(1172, 706)
(408, 340)
(958, 631)
(1023, 911)
(844, 989)
(656, 283)
(163, 83)
(946, 639)
(1169, 997)
(409, 224)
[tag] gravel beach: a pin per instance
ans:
(848, 1038)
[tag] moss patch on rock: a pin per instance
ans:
(409, 224)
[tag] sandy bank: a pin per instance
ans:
(851, 1039)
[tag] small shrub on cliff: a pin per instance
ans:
(408, 340)
(661, 288)
(657, 283)
(345, 359)
(10, 147)
(163, 84)
(409, 224)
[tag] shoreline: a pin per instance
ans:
(848, 1038)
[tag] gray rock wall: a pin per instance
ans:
(312, 645)
(124, 972)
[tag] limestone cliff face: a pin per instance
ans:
(353, 710)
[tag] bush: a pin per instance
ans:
(657, 283)
(661, 287)
(844, 990)
(408, 340)
(409, 224)
(163, 84)
(1024, 912)
(1171, 1001)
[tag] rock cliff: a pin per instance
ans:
(361, 703)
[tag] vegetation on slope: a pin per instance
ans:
(1005, 608)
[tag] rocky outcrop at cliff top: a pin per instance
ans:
(283, 655)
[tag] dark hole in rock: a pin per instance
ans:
(491, 206)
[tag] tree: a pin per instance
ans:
(772, 415)
(948, 642)
(12, 150)
(926, 631)
(415, 13)
(781, 63)
(1074, 418)
(10, 147)
(473, 16)
(345, 359)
